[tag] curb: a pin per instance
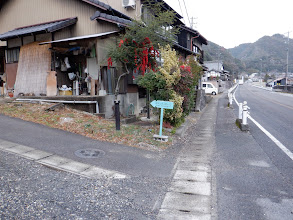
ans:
(60, 163)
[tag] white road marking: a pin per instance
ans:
(275, 140)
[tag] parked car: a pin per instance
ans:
(209, 88)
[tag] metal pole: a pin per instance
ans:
(148, 104)
(230, 99)
(117, 114)
(244, 116)
(161, 121)
(287, 66)
(240, 110)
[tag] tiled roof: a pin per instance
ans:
(110, 18)
(39, 28)
(204, 40)
(106, 7)
(214, 65)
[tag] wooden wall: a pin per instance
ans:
(18, 13)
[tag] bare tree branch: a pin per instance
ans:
(118, 81)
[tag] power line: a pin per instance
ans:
(181, 10)
(187, 13)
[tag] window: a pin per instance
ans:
(210, 86)
(12, 55)
(204, 85)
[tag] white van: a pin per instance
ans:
(209, 88)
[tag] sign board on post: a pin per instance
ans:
(162, 105)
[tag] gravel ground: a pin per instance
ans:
(33, 191)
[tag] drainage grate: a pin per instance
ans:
(89, 153)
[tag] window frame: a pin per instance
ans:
(12, 55)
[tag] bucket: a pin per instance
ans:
(65, 92)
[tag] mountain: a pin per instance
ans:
(267, 55)
(213, 51)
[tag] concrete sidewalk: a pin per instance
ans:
(190, 193)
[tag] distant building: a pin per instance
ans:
(277, 82)
(214, 71)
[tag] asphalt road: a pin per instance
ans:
(274, 112)
(32, 191)
(253, 175)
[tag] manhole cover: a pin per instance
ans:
(89, 153)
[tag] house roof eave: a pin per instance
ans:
(47, 27)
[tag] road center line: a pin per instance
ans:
(275, 140)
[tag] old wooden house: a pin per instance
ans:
(58, 49)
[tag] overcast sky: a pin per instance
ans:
(229, 23)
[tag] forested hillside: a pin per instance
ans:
(215, 52)
(268, 54)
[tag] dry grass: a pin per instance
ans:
(91, 126)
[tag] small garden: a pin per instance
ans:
(138, 134)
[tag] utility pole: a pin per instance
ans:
(287, 63)
(219, 54)
(192, 22)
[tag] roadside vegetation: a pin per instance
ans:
(138, 134)
(145, 52)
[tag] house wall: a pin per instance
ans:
(18, 13)
(182, 39)
(117, 4)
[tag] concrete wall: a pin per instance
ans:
(106, 104)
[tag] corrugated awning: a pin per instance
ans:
(48, 27)
(80, 37)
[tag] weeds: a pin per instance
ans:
(88, 125)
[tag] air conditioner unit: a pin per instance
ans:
(128, 3)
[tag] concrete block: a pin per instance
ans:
(96, 172)
(244, 127)
(19, 149)
(191, 203)
(199, 176)
(6, 144)
(185, 165)
(74, 166)
(167, 214)
(36, 154)
(54, 160)
(160, 138)
(199, 188)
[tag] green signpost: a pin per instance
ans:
(163, 105)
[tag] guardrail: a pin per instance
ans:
(243, 108)
(230, 94)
